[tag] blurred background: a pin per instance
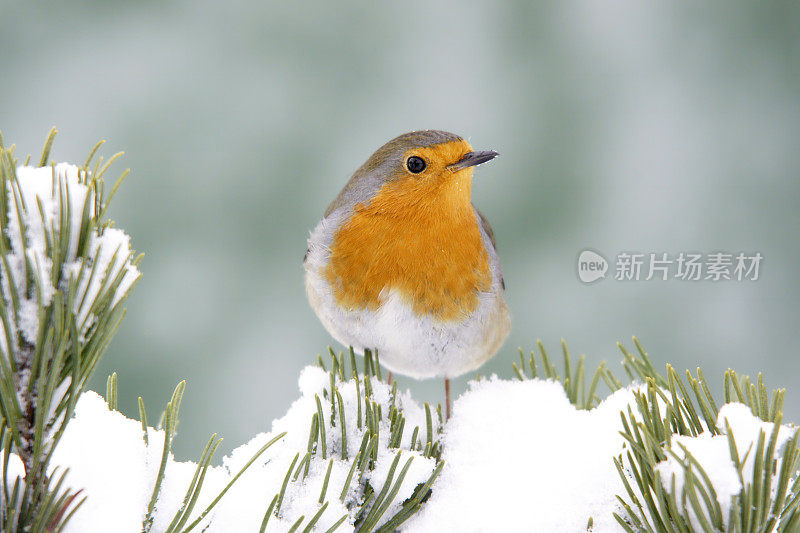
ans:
(626, 126)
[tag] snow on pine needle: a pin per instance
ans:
(65, 274)
(52, 242)
(363, 456)
(726, 474)
(544, 453)
(691, 466)
(517, 455)
(350, 454)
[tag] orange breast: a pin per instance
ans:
(418, 238)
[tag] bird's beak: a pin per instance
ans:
(471, 159)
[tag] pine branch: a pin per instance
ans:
(327, 442)
(573, 380)
(64, 278)
(769, 499)
(670, 406)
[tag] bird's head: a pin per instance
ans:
(414, 168)
(427, 155)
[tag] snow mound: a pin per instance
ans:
(520, 457)
(108, 458)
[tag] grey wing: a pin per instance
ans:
(490, 233)
(486, 226)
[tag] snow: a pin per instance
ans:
(111, 250)
(238, 512)
(107, 458)
(520, 457)
(713, 452)
(45, 197)
(746, 430)
(109, 461)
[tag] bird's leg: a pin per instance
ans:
(447, 398)
(389, 377)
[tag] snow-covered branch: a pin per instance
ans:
(64, 277)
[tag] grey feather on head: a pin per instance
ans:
(383, 164)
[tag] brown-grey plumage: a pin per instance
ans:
(487, 228)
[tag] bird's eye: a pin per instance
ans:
(415, 164)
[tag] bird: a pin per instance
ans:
(404, 264)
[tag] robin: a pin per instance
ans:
(404, 264)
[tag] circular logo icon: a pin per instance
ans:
(591, 266)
